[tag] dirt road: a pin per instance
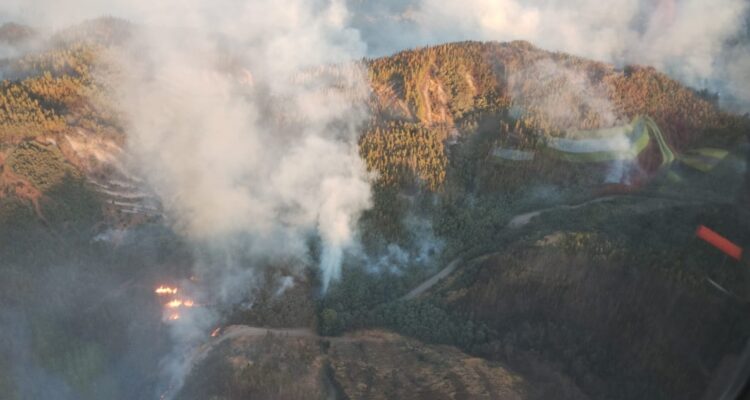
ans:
(433, 280)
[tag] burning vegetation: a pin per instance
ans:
(173, 302)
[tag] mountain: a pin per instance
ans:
(546, 277)
(15, 34)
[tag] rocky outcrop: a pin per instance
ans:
(365, 365)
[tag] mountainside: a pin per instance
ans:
(516, 89)
(368, 364)
(559, 282)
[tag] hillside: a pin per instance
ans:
(558, 281)
(514, 88)
(368, 364)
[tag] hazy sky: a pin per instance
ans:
(684, 37)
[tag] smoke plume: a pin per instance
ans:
(689, 39)
(243, 116)
(703, 43)
(244, 120)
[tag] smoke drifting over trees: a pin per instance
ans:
(252, 151)
(694, 40)
(244, 118)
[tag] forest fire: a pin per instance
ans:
(173, 303)
(164, 290)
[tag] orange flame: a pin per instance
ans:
(174, 303)
(215, 332)
(162, 290)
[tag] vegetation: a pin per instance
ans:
(466, 84)
(53, 91)
(584, 287)
(400, 150)
(21, 115)
(44, 166)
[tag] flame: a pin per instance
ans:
(174, 303)
(216, 332)
(162, 290)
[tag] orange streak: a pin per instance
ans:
(720, 242)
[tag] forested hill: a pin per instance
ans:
(455, 89)
(573, 286)
(454, 83)
(421, 99)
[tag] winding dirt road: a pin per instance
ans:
(517, 221)
(521, 220)
(433, 280)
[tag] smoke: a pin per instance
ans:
(564, 98)
(736, 80)
(702, 43)
(32, 382)
(689, 39)
(422, 250)
(238, 137)
(244, 120)
(243, 117)
(252, 147)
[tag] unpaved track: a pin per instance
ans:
(515, 222)
(522, 220)
(237, 331)
(433, 280)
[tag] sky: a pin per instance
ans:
(686, 38)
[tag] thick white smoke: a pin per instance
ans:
(240, 122)
(686, 38)
(232, 135)
(248, 134)
(253, 152)
(569, 100)
(563, 95)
